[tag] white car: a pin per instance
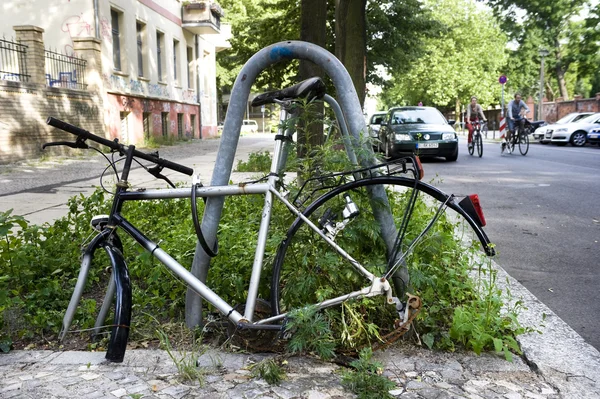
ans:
(575, 132)
(249, 126)
(373, 127)
(544, 133)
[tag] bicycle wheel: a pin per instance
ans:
(510, 145)
(479, 145)
(307, 270)
(523, 144)
(471, 147)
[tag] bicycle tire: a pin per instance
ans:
(479, 144)
(316, 272)
(471, 148)
(510, 145)
(524, 144)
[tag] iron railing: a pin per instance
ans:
(12, 61)
(65, 71)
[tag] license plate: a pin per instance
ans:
(594, 136)
(427, 145)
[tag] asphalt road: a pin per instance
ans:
(542, 213)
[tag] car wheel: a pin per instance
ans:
(453, 157)
(578, 139)
(544, 142)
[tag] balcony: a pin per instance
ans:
(201, 17)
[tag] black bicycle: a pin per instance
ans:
(477, 141)
(519, 138)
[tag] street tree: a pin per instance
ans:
(549, 21)
(465, 60)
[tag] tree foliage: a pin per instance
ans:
(549, 24)
(465, 60)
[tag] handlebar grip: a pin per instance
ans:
(77, 131)
(177, 167)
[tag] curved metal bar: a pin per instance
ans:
(283, 51)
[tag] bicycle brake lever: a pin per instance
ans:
(77, 144)
(155, 171)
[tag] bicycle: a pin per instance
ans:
(332, 213)
(518, 138)
(477, 139)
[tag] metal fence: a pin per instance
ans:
(65, 71)
(12, 61)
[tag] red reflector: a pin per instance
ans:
(477, 205)
(419, 167)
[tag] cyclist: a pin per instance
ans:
(474, 112)
(515, 112)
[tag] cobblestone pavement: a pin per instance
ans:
(418, 373)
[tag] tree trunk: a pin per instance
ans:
(560, 70)
(351, 41)
(313, 22)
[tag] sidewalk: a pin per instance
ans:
(556, 364)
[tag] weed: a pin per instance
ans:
(186, 362)
(257, 162)
(311, 332)
(269, 370)
(366, 380)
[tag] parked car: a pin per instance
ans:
(249, 126)
(544, 133)
(420, 130)
(575, 132)
(594, 136)
(373, 127)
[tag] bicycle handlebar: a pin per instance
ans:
(114, 145)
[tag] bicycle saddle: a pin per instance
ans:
(310, 89)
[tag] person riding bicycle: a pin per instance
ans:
(516, 115)
(474, 112)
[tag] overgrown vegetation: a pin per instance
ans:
(39, 266)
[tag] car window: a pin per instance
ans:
(377, 119)
(417, 116)
(590, 119)
(578, 117)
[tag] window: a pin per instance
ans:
(140, 29)
(193, 123)
(190, 58)
(164, 117)
(180, 125)
(124, 130)
(175, 64)
(115, 18)
(160, 39)
(146, 124)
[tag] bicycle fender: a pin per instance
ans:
(120, 330)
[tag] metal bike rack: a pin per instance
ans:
(353, 116)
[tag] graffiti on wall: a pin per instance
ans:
(189, 96)
(75, 26)
(105, 30)
(84, 109)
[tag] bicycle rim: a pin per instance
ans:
(524, 144)
(307, 270)
(479, 146)
(471, 147)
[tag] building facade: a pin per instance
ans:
(154, 72)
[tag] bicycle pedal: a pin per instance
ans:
(98, 222)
